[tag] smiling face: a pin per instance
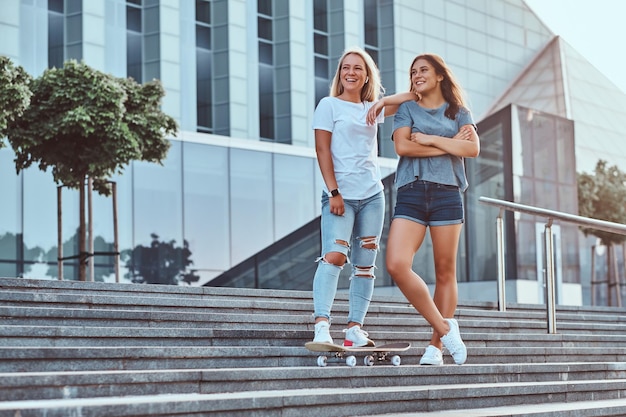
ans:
(353, 73)
(424, 78)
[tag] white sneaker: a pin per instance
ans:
(356, 337)
(453, 342)
(432, 356)
(322, 332)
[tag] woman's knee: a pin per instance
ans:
(335, 258)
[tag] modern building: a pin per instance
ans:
(242, 78)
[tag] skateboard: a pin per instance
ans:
(338, 353)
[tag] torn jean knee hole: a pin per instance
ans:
(364, 271)
(369, 242)
(325, 262)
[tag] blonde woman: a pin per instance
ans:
(353, 202)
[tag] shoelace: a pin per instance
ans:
(358, 330)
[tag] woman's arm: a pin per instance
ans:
(465, 143)
(327, 168)
(405, 146)
(390, 103)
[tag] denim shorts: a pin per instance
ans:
(429, 203)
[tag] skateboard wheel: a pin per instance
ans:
(368, 360)
(322, 361)
(395, 360)
(350, 361)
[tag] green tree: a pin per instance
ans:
(14, 94)
(602, 195)
(85, 124)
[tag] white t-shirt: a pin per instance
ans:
(353, 146)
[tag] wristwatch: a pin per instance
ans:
(334, 193)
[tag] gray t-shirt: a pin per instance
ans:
(444, 169)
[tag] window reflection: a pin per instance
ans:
(252, 217)
(294, 192)
(206, 206)
(158, 199)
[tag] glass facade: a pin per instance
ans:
(257, 73)
(274, 71)
(180, 205)
(65, 31)
(527, 157)
(143, 43)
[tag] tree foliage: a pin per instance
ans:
(14, 94)
(602, 195)
(84, 123)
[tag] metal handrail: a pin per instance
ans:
(550, 215)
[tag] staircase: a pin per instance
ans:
(93, 349)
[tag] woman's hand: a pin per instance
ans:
(337, 206)
(465, 133)
(422, 138)
(374, 111)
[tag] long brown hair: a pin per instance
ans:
(450, 88)
(373, 89)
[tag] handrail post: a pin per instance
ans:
(550, 274)
(501, 262)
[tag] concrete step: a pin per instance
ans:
(78, 336)
(22, 386)
(346, 401)
(70, 348)
(604, 408)
(56, 359)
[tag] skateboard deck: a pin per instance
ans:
(383, 353)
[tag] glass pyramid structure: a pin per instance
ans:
(560, 81)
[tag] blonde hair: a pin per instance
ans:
(373, 89)
(450, 88)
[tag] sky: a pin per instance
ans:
(595, 28)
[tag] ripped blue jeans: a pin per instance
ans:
(356, 234)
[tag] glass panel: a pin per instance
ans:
(74, 29)
(320, 15)
(294, 192)
(75, 52)
(204, 89)
(11, 213)
(203, 37)
(40, 224)
(251, 203)
(203, 11)
(74, 6)
(485, 175)
(152, 51)
(321, 43)
(321, 68)
(133, 19)
(56, 6)
(152, 71)
(321, 89)
(371, 22)
(266, 102)
(266, 53)
(56, 55)
(158, 244)
(264, 7)
(134, 56)
(265, 28)
(206, 197)
(151, 19)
